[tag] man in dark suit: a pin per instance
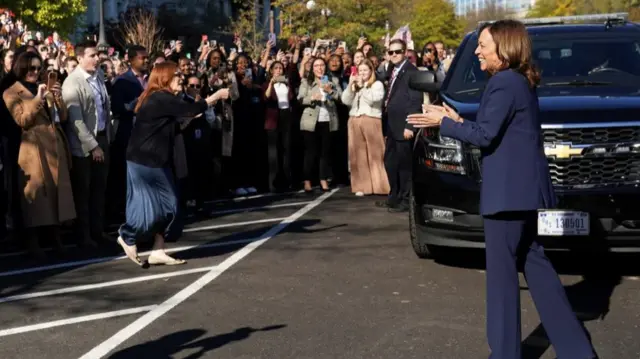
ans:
(126, 90)
(399, 102)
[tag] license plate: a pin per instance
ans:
(563, 223)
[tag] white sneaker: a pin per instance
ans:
(252, 190)
(360, 194)
(241, 192)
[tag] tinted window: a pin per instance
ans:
(607, 58)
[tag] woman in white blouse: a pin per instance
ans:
(278, 98)
(366, 143)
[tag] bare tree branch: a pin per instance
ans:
(140, 27)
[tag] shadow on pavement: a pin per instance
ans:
(188, 340)
(590, 298)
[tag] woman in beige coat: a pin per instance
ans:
(44, 158)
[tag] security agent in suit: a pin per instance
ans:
(89, 133)
(515, 185)
(400, 101)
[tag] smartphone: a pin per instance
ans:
(248, 74)
(213, 44)
(307, 51)
(204, 38)
(172, 44)
(354, 70)
(342, 44)
(280, 79)
(272, 37)
(325, 79)
(188, 55)
(52, 79)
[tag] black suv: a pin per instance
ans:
(590, 110)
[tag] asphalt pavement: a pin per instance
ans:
(292, 276)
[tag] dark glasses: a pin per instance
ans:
(429, 50)
(395, 52)
(35, 68)
(194, 86)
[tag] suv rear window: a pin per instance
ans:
(606, 59)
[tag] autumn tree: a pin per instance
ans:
(59, 15)
(434, 20)
(249, 25)
(346, 20)
(547, 8)
(491, 11)
(140, 27)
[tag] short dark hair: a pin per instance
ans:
(399, 41)
(68, 60)
(183, 58)
(23, 63)
(81, 47)
(134, 50)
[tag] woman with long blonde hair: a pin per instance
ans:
(364, 96)
(151, 194)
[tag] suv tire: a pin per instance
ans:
(421, 249)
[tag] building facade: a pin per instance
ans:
(519, 7)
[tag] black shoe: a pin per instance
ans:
(383, 204)
(399, 208)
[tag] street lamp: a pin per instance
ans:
(103, 46)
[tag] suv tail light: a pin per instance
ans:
(443, 153)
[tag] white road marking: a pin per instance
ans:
(84, 318)
(235, 224)
(168, 250)
(250, 209)
(264, 195)
(129, 331)
(84, 287)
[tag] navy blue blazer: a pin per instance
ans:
(515, 171)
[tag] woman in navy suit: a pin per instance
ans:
(515, 185)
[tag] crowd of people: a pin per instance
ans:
(309, 115)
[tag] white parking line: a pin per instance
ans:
(235, 224)
(84, 287)
(250, 209)
(263, 195)
(84, 318)
(107, 346)
(168, 250)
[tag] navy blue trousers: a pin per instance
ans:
(511, 243)
(152, 205)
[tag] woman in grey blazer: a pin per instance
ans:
(318, 93)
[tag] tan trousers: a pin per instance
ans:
(366, 156)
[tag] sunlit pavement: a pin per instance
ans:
(292, 276)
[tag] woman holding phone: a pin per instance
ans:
(43, 179)
(319, 95)
(278, 97)
(366, 144)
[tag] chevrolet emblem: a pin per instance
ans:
(562, 151)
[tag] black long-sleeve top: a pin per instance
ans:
(153, 135)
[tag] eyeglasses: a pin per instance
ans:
(429, 50)
(35, 68)
(195, 86)
(395, 52)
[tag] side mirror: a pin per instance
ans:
(424, 81)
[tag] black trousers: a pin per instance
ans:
(397, 162)
(279, 152)
(89, 182)
(317, 151)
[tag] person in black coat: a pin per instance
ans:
(399, 102)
